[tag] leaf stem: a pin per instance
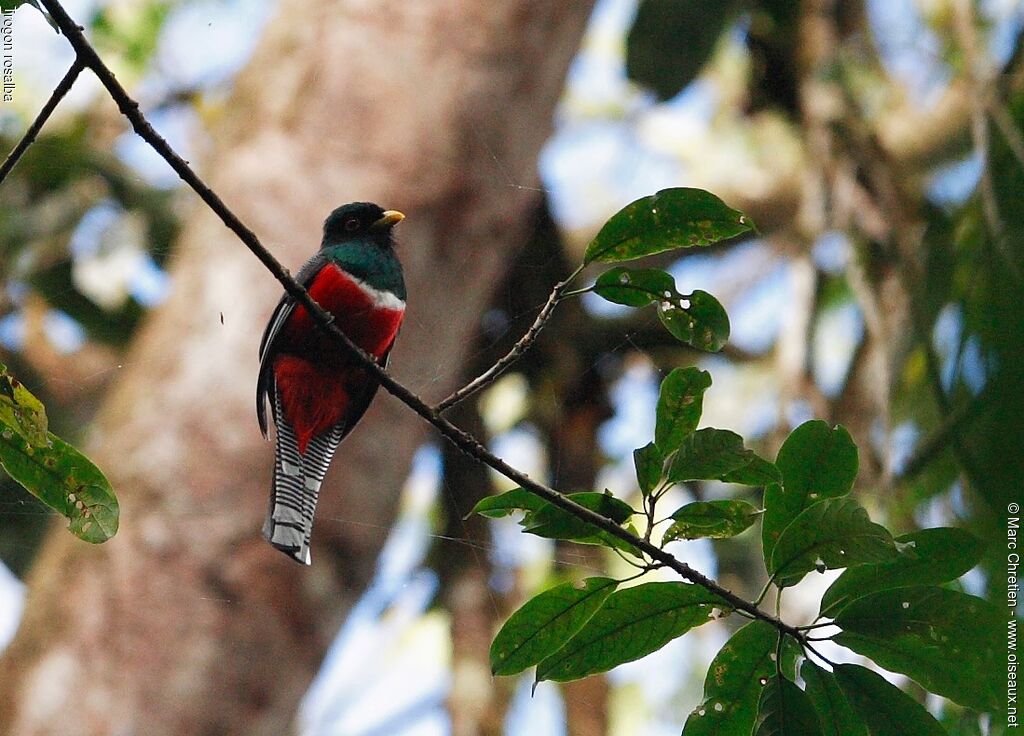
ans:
(808, 648)
(644, 567)
(809, 627)
(764, 590)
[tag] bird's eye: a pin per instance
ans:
(351, 224)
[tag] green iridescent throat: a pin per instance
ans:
(369, 262)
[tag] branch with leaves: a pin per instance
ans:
(888, 605)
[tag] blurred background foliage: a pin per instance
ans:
(877, 143)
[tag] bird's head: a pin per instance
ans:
(361, 221)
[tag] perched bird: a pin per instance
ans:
(317, 393)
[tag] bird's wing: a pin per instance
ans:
(283, 310)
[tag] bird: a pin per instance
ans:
(316, 391)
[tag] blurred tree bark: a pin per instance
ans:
(477, 701)
(576, 457)
(187, 622)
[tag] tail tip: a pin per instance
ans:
(298, 552)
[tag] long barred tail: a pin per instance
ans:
(297, 480)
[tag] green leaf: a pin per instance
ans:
(65, 480)
(672, 218)
(670, 41)
(636, 287)
(708, 454)
(816, 462)
(712, 519)
(926, 557)
(835, 714)
(757, 472)
(650, 465)
(734, 682)
(632, 623)
(547, 520)
(135, 36)
(829, 535)
(545, 623)
(20, 411)
(702, 323)
(945, 640)
(504, 504)
(696, 319)
(818, 459)
(785, 710)
(553, 523)
(14, 4)
(680, 403)
(887, 710)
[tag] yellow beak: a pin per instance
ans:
(390, 217)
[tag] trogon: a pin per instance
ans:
(316, 391)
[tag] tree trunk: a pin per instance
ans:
(187, 622)
(477, 701)
(576, 458)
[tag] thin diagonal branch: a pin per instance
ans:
(517, 350)
(949, 432)
(33, 130)
(979, 83)
(1001, 117)
(325, 321)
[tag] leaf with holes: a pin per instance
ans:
(700, 321)
(708, 454)
(632, 623)
(670, 219)
(734, 682)
(711, 519)
(945, 640)
(545, 623)
(816, 462)
(926, 557)
(829, 535)
(697, 319)
(785, 710)
(835, 714)
(650, 465)
(66, 481)
(680, 403)
(636, 287)
(887, 710)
